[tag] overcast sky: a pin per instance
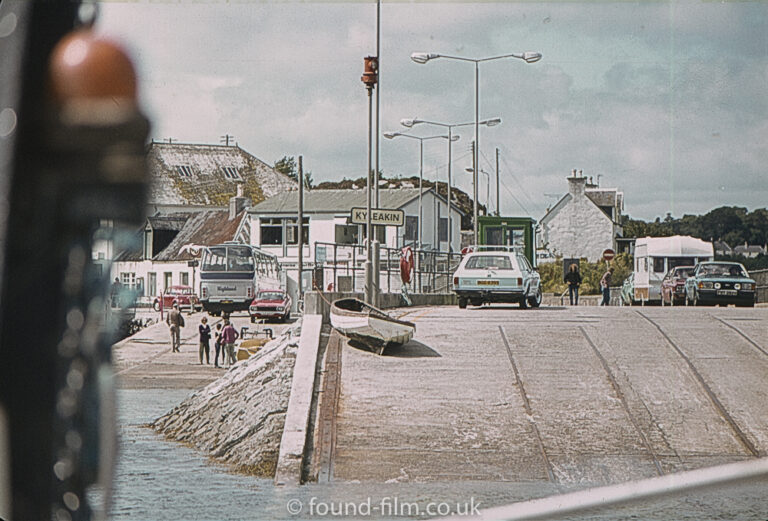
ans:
(666, 101)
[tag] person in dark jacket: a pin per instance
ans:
(573, 279)
(219, 346)
(175, 322)
(205, 340)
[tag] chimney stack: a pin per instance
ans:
(238, 202)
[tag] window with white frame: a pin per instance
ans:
(128, 280)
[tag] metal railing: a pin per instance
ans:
(340, 267)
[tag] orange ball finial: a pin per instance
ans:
(86, 67)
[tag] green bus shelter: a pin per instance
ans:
(508, 231)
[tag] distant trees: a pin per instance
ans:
(732, 224)
(287, 165)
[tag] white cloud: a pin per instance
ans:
(664, 101)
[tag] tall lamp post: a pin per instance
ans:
(487, 186)
(393, 135)
(528, 57)
(370, 78)
(411, 122)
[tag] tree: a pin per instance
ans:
(287, 166)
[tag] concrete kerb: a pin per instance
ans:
(293, 443)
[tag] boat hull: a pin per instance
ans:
(369, 326)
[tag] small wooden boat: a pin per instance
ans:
(368, 325)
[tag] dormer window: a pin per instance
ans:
(184, 170)
(230, 172)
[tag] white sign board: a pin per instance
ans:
(379, 217)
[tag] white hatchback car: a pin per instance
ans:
(496, 274)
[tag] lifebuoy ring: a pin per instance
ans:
(406, 264)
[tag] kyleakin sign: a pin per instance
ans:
(379, 216)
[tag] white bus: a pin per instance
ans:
(232, 273)
(655, 256)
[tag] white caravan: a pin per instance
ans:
(655, 256)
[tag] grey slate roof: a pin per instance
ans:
(331, 201)
(206, 182)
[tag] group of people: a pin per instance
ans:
(224, 338)
(573, 279)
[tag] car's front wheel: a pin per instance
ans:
(156, 305)
(535, 300)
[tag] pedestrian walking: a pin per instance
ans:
(175, 321)
(229, 335)
(219, 347)
(205, 340)
(605, 284)
(573, 279)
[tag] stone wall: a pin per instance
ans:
(239, 418)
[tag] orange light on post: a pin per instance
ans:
(370, 76)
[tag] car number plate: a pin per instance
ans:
(487, 282)
(226, 302)
(730, 292)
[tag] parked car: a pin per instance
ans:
(496, 274)
(673, 285)
(271, 304)
(628, 290)
(184, 295)
(720, 283)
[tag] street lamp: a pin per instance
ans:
(528, 57)
(410, 122)
(393, 135)
(487, 186)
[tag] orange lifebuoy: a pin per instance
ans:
(406, 264)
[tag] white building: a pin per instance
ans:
(584, 222)
(327, 221)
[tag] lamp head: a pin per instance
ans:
(391, 135)
(409, 122)
(492, 122)
(423, 57)
(455, 138)
(531, 57)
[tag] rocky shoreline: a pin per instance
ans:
(238, 419)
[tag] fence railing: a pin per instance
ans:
(340, 267)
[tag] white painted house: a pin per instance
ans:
(327, 220)
(584, 222)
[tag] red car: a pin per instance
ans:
(271, 304)
(673, 285)
(184, 295)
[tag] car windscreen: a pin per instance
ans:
(489, 262)
(722, 270)
(270, 295)
(684, 273)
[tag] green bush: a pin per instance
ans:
(591, 273)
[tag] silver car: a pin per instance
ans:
(497, 274)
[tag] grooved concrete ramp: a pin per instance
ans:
(572, 396)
